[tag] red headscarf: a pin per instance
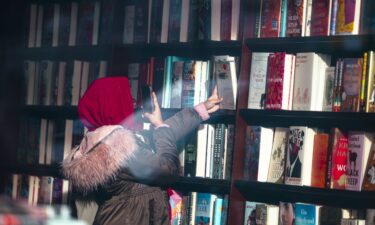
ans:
(107, 101)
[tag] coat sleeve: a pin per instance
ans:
(162, 164)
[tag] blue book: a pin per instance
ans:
(306, 214)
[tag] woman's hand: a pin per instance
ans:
(155, 117)
(212, 104)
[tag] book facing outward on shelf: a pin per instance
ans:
(369, 174)
(359, 144)
(277, 161)
(319, 160)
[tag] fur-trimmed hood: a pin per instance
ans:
(99, 157)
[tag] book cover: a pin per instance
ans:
(277, 161)
(252, 145)
(250, 213)
(129, 20)
(351, 79)
(226, 20)
(270, 18)
(286, 213)
(261, 214)
(306, 214)
(47, 25)
(190, 154)
(330, 215)
(328, 89)
(156, 21)
(337, 160)
(299, 155)
(319, 163)
(176, 85)
(188, 84)
(45, 190)
(85, 24)
(174, 21)
(369, 176)
(226, 80)
(257, 83)
(204, 20)
(106, 20)
(175, 202)
(320, 17)
(348, 14)
(204, 207)
(141, 21)
(359, 144)
(296, 18)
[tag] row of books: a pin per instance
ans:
(306, 81)
(60, 82)
(156, 21)
(287, 18)
(46, 141)
(307, 156)
(198, 208)
(37, 190)
(208, 151)
(287, 213)
(70, 23)
(184, 82)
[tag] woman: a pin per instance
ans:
(124, 166)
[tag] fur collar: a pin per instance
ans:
(99, 157)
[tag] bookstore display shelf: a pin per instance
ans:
(273, 193)
(35, 170)
(50, 112)
(198, 50)
(221, 116)
(204, 185)
(186, 184)
(286, 118)
(88, 52)
(355, 44)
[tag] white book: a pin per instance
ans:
(49, 141)
(184, 20)
(76, 79)
(265, 148)
(165, 22)
(201, 150)
(95, 29)
(235, 21)
(73, 24)
(198, 82)
(203, 92)
(39, 26)
(277, 157)
(215, 20)
(60, 83)
(56, 23)
(31, 190)
(32, 25)
(68, 137)
(36, 190)
(128, 37)
(42, 141)
(209, 150)
(306, 80)
(323, 63)
(329, 77)
(308, 18)
(16, 183)
(258, 78)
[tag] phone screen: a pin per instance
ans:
(147, 104)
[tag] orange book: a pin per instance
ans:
(369, 176)
(319, 164)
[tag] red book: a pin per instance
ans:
(270, 21)
(320, 17)
(337, 160)
(226, 20)
(319, 163)
(296, 18)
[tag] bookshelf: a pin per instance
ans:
(239, 190)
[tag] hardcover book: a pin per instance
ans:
(277, 161)
(321, 17)
(319, 163)
(351, 79)
(270, 18)
(296, 18)
(369, 175)
(337, 160)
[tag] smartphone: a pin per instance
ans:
(147, 101)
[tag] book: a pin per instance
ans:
(33, 15)
(286, 213)
(277, 161)
(321, 17)
(351, 83)
(129, 20)
(299, 155)
(306, 214)
(328, 89)
(368, 183)
(296, 18)
(359, 145)
(270, 18)
(337, 160)
(348, 14)
(257, 83)
(319, 160)
(279, 82)
(250, 213)
(204, 208)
